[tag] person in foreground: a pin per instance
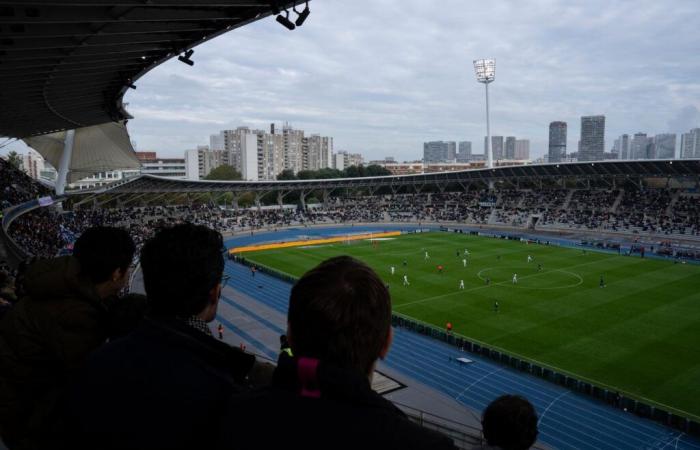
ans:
(65, 312)
(339, 324)
(509, 423)
(168, 382)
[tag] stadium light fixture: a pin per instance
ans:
(284, 20)
(186, 57)
(486, 73)
(302, 15)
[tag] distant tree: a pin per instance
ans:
(246, 200)
(375, 170)
(286, 174)
(328, 173)
(14, 159)
(353, 172)
(224, 172)
(306, 174)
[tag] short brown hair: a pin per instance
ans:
(340, 312)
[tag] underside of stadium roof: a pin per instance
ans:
(66, 64)
(607, 172)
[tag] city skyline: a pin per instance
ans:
(385, 90)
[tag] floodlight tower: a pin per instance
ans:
(486, 73)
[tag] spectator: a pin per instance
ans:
(339, 324)
(167, 383)
(48, 334)
(510, 423)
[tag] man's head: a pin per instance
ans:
(340, 312)
(182, 268)
(105, 254)
(510, 423)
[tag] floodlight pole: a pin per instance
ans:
(486, 73)
(489, 153)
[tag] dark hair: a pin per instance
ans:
(102, 250)
(510, 423)
(180, 266)
(340, 312)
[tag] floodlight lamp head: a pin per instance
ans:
(186, 57)
(485, 70)
(302, 15)
(284, 20)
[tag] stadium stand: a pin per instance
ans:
(666, 218)
(657, 213)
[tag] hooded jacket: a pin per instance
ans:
(320, 406)
(44, 338)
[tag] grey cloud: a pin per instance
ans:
(383, 76)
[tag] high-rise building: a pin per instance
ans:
(640, 147)
(342, 160)
(465, 151)
(232, 140)
(33, 164)
(217, 141)
(665, 146)
(622, 147)
(592, 138)
(250, 164)
(439, 151)
(522, 150)
(690, 144)
(510, 148)
(496, 147)
(557, 141)
(261, 155)
(451, 151)
(317, 152)
(192, 164)
(293, 148)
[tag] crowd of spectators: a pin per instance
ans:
(17, 187)
(50, 231)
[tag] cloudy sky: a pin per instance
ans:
(383, 76)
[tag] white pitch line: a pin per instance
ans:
(486, 286)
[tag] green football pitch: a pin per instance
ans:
(639, 334)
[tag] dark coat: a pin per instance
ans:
(347, 415)
(163, 386)
(44, 338)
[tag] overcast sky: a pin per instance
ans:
(383, 76)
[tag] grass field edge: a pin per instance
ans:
(280, 274)
(528, 359)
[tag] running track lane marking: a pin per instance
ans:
(550, 405)
(475, 382)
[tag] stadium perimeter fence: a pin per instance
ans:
(607, 394)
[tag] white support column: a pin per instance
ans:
(64, 164)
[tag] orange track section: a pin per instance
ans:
(275, 245)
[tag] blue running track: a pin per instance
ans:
(568, 420)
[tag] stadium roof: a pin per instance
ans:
(66, 64)
(606, 170)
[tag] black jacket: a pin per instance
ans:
(163, 387)
(347, 415)
(44, 339)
